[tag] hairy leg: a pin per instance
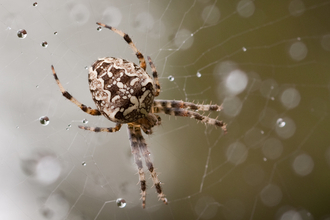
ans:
(191, 114)
(72, 99)
(187, 105)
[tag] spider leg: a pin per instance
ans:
(155, 77)
(98, 129)
(145, 153)
(130, 42)
(191, 114)
(67, 95)
(187, 105)
(132, 133)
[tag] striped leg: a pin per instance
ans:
(98, 129)
(73, 100)
(155, 77)
(130, 42)
(191, 114)
(187, 105)
(145, 154)
(133, 137)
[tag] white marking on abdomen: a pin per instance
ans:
(134, 81)
(135, 102)
(115, 98)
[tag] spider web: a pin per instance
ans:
(268, 62)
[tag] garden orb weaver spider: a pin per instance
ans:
(124, 93)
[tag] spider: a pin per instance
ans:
(124, 93)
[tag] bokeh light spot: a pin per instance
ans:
(245, 8)
(303, 164)
(271, 195)
(290, 98)
(298, 51)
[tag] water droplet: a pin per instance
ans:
(69, 126)
(171, 78)
(21, 33)
(298, 38)
(35, 4)
(55, 33)
(198, 74)
(244, 49)
(191, 34)
(265, 159)
(86, 67)
(99, 28)
(44, 44)
(272, 98)
(121, 203)
(17, 127)
(84, 163)
(280, 122)
(44, 120)
(85, 121)
(37, 86)
(262, 132)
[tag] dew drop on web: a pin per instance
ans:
(280, 122)
(21, 33)
(121, 203)
(69, 126)
(44, 120)
(44, 44)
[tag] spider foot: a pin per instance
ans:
(224, 128)
(143, 198)
(163, 198)
(219, 108)
(104, 25)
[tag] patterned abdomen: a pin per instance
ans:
(121, 90)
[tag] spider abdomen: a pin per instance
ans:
(121, 90)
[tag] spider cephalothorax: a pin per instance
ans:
(124, 93)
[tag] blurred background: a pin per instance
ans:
(267, 61)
